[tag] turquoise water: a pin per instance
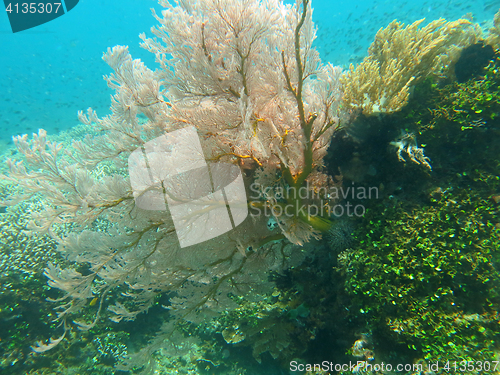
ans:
(51, 72)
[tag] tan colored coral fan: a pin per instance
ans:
(402, 56)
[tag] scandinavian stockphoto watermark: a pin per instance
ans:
(170, 173)
(310, 201)
(367, 367)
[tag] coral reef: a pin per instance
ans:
(432, 254)
(401, 57)
(246, 76)
(416, 274)
(493, 38)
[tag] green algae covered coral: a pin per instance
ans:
(425, 271)
(431, 275)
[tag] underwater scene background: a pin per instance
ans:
(57, 67)
(367, 145)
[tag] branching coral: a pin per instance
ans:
(493, 38)
(400, 57)
(246, 76)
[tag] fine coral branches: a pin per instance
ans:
(245, 75)
(493, 38)
(400, 57)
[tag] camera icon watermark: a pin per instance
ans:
(170, 173)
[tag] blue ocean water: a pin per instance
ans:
(50, 72)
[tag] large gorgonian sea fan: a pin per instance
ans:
(245, 75)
